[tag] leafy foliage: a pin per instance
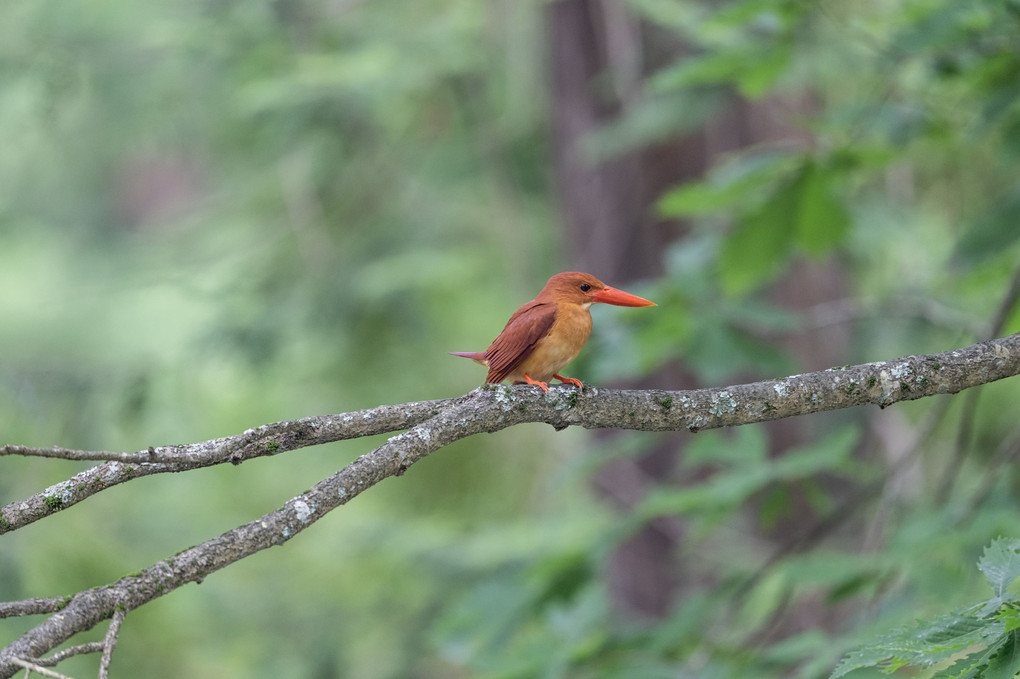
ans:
(801, 215)
(224, 214)
(981, 639)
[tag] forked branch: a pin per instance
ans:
(434, 424)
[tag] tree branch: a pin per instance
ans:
(268, 439)
(12, 609)
(110, 642)
(37, 668)
(435, 424)
(60, 656)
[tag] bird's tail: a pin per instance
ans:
(476, 356)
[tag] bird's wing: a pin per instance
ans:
(522, 333)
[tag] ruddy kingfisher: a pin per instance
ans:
(547, 333)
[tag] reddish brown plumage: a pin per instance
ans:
(547, 333)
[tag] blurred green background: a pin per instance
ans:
(220, 214)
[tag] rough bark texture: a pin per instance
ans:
(435, 424)
(268, 439)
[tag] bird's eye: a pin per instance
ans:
(585, 287)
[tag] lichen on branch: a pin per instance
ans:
(428, 426)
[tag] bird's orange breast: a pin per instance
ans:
(560, 346)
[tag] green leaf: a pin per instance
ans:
(824, 455)
(802, 212)
(731, 185)
(721, 494)
(760, 75)
(758, 248)
(923, 644)
(752, 69)
(742, 445)
(995, 231)
(987, 627)
(999, 660)
(667, 13)
(699, 198)
(712, 68)
(1010, 615)
(1001, 564)
(650, 121)
(969, 666)
(751, 472)
(1005, 663)
(822, 221)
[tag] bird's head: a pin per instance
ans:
(584, 289)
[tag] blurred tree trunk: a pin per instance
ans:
(604, 207)
(599, 56)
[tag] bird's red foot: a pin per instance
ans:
(527, 378)
(570, 380)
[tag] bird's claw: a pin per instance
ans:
(542, 385)
(571, 380)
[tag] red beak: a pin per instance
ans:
(619, 298)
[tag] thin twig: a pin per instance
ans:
(962, 447)
(849, 310)
(32, 667)
(849, 506)
(815, 532)
(965, 433)
(110, 642)
(14, 609)
(61, 656)
(1006, 306)
(1006, 454)
(846, 509)
(268, 439)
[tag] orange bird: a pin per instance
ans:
(547, 333)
